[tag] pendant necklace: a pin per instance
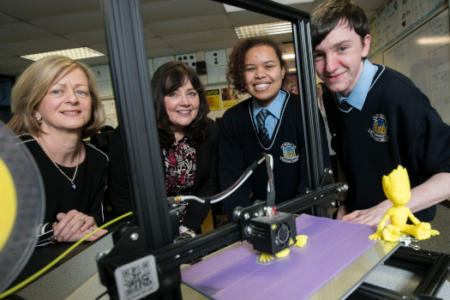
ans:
(65, 175)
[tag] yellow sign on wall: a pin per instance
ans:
(213, 98)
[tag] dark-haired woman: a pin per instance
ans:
(188, 140)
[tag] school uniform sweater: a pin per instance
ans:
(396, 126)
(239, 147)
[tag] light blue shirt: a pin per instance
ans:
(274, 108)
(358, 96)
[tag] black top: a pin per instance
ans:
(397, 126)
(239, 147)
(90, 182)
(205, 182)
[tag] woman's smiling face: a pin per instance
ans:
(67, 104)
(182, 106)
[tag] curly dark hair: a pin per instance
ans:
(328, 14)
(167, 79)
(236, 64)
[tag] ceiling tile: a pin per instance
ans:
(4, 19)
(249, 18)
(189, 25)
(157, 52)
(100, 47)
(175, 9)
(16, 32)
(206, 46)
(155, 43)
(87, 38)
(71, 23)
(36, 46)
(200, 37)
(31, 9)
(12, 66)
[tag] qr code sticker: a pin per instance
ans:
(137, 279)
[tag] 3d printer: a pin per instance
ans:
(268, 232)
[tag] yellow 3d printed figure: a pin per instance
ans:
(397, 189)
(266, 258)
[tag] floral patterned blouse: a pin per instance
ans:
(180, 162)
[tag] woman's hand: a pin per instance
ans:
(71, 227)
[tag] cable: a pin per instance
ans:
(222, 195)
(56, 260)
(102, 295)
(270, 180)
(243, 178)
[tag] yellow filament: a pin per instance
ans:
(8, 204)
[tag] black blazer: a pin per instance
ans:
(205, 183)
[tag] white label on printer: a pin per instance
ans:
(137, 279)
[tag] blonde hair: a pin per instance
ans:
(34, 83)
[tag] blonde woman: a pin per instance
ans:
(55, 105)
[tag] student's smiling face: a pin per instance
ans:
(263, 74)
(339, 58)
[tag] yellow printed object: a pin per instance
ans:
(265, 258)
(300, 242)
(397, 189)
(283, 253)
(8, 203)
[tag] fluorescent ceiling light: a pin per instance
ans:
(75, 53)
(230, 8)
(288, 56)
(243, 32)
(435, 40)
(291, 70)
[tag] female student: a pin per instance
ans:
(270, 121)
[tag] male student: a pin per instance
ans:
(378, 117)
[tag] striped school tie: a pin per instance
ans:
(263, 134)
(343, 105)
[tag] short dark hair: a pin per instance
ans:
(167, 79)
(328, 14)
(236, 64)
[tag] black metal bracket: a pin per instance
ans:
(432, 267)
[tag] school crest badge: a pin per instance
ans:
(379, 128)
(288, 153)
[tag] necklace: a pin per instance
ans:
(65, 175)
(72, 180)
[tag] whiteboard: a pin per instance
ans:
(427, 65)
